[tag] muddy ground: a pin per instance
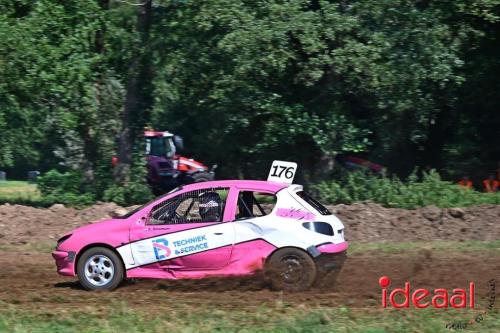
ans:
(28, 276)
(29, 280)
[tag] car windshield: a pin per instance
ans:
(135, 210)
(314, 203)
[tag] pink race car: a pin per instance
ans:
(218, 228)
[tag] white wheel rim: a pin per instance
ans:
(99, 270)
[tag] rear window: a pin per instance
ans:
(254, 204)
(314, 203)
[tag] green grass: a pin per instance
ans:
(37, 247)
(16, 191)
(465, 246)
(284, 318)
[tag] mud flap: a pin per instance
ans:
(313, 251)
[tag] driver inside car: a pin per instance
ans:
(210, 207)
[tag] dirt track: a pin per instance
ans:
(31, 282)
(29, 279)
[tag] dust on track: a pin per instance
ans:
(29, 280)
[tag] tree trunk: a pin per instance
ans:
(132, 108)
(90, 146)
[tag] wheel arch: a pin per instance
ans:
(107, 246)
(286, 247)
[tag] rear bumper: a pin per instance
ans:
(65, 262)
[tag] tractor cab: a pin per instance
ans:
(161, 144)
(166, 168)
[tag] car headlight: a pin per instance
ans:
(62, 239)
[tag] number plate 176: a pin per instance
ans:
(282, 172)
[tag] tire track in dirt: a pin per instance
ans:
(29, 280)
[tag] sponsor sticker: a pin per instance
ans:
(161, 249)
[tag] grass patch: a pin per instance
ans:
(21, 193)
(466, 246)
(121, 318)
(38, 247)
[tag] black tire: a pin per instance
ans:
(99, 268)
(201, 177)
(290, 269)
(328, 278)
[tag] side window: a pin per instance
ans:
(198, 206)
(254, 204)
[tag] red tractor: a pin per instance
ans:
(167, 169)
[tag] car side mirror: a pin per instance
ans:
(178, 142)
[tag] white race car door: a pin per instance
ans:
(189, 231)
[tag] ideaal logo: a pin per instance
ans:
(161, 249)
(439, 298)
(423, 298)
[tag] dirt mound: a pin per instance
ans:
(369, 222)
(365, 222)
(23, 224)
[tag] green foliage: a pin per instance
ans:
(246, 82)
(66, 188)
(392, 192)
(135, 191)
(130, 194)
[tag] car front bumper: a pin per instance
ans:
(65, 262)
(329, 256)
(327, 262)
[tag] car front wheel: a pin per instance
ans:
(290, 269)
(99, 268)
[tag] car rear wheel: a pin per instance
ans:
(290, 269)
(99, 268)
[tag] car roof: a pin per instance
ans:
(246, 184)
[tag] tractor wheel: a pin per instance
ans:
(290, 269)
(201, 177)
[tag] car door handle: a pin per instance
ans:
(218, 233)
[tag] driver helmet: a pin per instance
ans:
(210, 206)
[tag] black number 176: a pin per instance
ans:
(288, 171)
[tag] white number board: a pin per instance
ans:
(282, 172)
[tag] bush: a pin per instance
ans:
(66, 188)
(392, 192)
(130, 194)
(135, 191)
